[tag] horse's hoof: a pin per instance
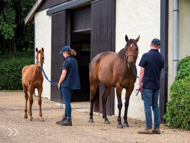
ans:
(106, 122)
(42, 120)
(29, 119)
(25, 117)
(120, 126)
(125, 125)
(90, 121)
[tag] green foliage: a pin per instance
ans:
(14, 34)
(11, 69)
(183, 68)
(178, 108)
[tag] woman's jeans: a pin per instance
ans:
(150, 98)
(67, 94)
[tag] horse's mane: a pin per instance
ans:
(121, 53)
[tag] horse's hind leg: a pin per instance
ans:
(93, 88)
(40, 102)
(128, 93)
(31, 90)
(107, 92)
(25, 88)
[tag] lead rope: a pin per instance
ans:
(137, 77)
(55, 83)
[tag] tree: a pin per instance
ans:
(14, 34)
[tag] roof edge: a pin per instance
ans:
(31, 14)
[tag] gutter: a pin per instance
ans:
(176, 36)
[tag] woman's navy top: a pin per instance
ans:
(72, 79)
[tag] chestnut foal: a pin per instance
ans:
(32, 78)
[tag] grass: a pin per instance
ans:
(11, 90)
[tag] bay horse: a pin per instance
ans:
(32, 78)
(114, 70)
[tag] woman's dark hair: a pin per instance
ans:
(72, 52)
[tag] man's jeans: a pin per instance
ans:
(150, 98)
(67, 94)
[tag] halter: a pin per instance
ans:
(131, 55)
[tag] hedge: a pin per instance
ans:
(178, 108)
(11, 69)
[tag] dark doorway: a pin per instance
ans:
(80, 42)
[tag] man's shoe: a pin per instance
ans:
(67, 122)
(156, 131)
(62, 120)
(146, 131)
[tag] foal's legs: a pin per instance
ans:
(40, 102)
(31, 90)
(93, 88)
(107, 92)
(118, 91)
(128, 93)
(26, 99)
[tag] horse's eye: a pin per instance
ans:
(136, 49)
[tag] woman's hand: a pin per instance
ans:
(59, 86)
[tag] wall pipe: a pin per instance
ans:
(176, 34)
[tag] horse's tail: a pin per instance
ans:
(97, 100)
(94, 81)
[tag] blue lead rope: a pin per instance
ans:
(137, 77)
(55, 83)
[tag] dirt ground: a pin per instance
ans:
(14, 128)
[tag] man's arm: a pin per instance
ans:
(141, 75)
(63, 75)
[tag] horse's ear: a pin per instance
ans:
(42, 49)
(137, 39)
(36, 49)
(126, 38)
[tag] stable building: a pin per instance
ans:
(94, 26)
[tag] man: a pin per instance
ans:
(149, 85)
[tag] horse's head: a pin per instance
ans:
(131, 49)
(39, 58)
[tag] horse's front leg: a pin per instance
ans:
(40, 102)
(107, 92)
(128, 93)
(118, 91)
(31, 90)
(26, 100)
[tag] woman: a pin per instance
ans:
(68, 82)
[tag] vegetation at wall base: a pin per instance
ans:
(178, 108)
(11, 69)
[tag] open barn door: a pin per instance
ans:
(103, 38)
(58, 41)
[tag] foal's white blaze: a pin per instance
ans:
(39, 57)
(131, 45)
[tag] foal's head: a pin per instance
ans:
(131, 51)
(39, 58)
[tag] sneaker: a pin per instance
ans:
(62, 120)
(156, 131)
(67, 122)
(146, 131)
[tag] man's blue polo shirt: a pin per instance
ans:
(153, 62)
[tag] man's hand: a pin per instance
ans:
(141, 75)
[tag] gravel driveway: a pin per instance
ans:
(14, 128)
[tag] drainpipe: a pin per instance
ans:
(176, 27)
